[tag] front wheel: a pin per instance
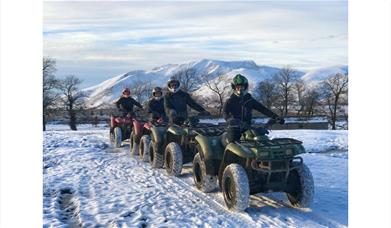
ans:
(301, 186)
(173, 159)
(117, 137)
(144, 148)
(203, 181)
(155, 157)
(235, 187)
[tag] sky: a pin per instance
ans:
(98, 40)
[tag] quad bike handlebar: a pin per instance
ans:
(271, 122)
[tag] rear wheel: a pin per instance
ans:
(203, 181)
(301, 185)
(112, 138)
(144, 148)
(235, 187)
(173, 159)
(117, 137)
(155, 157)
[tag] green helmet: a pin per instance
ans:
(239, 80)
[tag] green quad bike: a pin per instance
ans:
(255, 164)
(172, 146)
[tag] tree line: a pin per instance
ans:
(284, 92)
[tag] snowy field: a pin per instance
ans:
(89, 184)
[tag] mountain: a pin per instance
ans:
(317, 75)
(106, 92)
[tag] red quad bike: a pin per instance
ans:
(145, 140)
(136, 134)
(121, 129)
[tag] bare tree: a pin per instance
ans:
(285, 80)
(311, 99)
(71, 97)
(141, 90)
(220, 86)
(299, 88)
(266, 92)
(334, 88)
(188, 79)
(49, 85)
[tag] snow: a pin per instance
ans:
(104, 93)
(89, 183)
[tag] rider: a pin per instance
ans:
(237, 110)
(156, 105)
(125, 103)
(176, 101)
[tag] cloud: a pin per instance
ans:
(142, 35)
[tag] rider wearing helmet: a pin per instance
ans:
(156, 104)
(237, 110)
(176, 101)
(125, 103)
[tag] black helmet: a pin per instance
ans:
(240, 80)
(155, 91)
(173, 85)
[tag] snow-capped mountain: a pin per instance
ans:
(317, 75)
(106, 92)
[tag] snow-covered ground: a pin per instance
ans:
(87, 183)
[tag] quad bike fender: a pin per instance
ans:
(158, 134)
(137, 128)
(211, 154)
(176, 130)
(211, 147)
(112, 122)
(239, 150)
(231, 157)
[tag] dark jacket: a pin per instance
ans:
(156, 108)
(126, 104)
(178, 102)
(241, 108)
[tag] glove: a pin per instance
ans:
(205, 113)
(155, 114)
(280, 120)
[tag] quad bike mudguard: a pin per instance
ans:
(158, 134)
(137, 127)
(239, 150)
(212, 152)
(176, 130)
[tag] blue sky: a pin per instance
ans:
(98, 40)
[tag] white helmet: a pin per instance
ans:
(173, 85)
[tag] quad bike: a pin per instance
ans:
(252, 165)
(122, 127)
(145, 140)
(138, 131)
(174, 145)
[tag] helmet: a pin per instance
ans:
(173, 85)
(239, 85)
(126, 91)
(155, 91)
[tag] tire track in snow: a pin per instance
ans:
(116, 190)
(269, 208)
